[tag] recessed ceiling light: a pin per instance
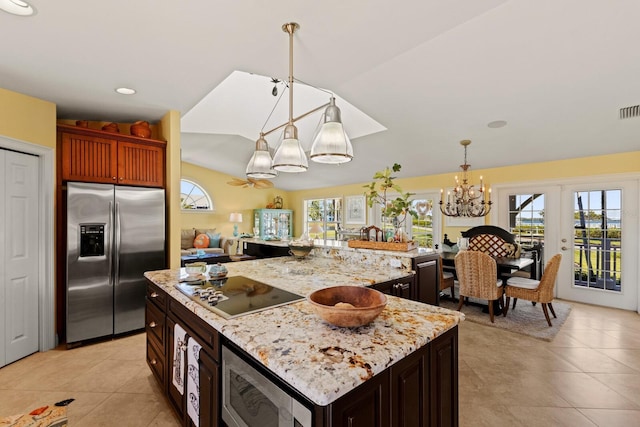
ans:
(17, 7)
(497, 124)
(125, 91)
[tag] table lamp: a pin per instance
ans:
(236, 218)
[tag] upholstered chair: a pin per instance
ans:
(477, 277)
(535, 290)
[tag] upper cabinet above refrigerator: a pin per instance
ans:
(90, 155)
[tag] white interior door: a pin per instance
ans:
(20, 256)
(599, 244)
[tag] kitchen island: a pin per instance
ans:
(410, 345)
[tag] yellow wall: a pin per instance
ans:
(27, 119)
(226, 199)
(169, 130)
(587, 166)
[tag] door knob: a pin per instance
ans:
(153, 324)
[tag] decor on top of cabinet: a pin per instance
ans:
(141, 129)
(277, 202)
(111, 127)
(394, 211)
(82, 123)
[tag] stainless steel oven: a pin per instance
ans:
(249, 399)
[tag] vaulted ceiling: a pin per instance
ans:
(430, 73)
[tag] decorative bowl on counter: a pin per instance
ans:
(195, 268)
(300, 248)
(218, 271)
(348, 306)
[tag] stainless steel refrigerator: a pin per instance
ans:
(114, 235)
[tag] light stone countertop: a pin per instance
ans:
(321, 361)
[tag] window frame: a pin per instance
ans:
(210, 208)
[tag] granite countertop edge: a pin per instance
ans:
(321, 361)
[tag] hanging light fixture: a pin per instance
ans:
(331, 144)
(261, 165)
(465, 201)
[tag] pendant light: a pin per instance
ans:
(331, 144)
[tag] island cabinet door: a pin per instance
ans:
(427, 279)
(410, 406)
(209, 386)
(444, 379)
(366, 406)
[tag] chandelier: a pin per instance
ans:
(465, 201)
(330, 143)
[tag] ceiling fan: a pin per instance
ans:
(260, 184)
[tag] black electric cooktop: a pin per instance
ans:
(236, 295)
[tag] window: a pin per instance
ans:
(193, 197)
(423, 230)
(526, 219)
(323, 218)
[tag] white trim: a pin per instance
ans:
(46, 294)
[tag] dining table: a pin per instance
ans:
(505, 265)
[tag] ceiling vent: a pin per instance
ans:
(629, 112)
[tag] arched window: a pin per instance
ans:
(193, 197)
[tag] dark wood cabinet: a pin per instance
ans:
(163, 313)
(444, 379)
(365, 406)
(403, 288)
(418, 391)
(209, 390)
(427, 278)
(410, 390)
(264, 250)
(89, 155)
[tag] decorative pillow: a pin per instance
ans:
(186, 238)
(205, 231)
(214, 240)
(201, 241)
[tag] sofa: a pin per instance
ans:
(207, 240)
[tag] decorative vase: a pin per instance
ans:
(82, 123)
(111, 127)
(141, 129)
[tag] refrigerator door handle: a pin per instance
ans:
(116, 240)
(110, 246)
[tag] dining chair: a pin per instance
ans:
(535, 290)
(447, 280)
(477, 277)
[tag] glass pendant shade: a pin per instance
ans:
(289, 156)
(260, 165)
(331, 144)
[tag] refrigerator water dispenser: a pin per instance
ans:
(91, 240)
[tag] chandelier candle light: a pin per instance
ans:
(465, 201)
(330, 144)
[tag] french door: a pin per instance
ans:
(593, 224)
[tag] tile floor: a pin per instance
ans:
(589, 375)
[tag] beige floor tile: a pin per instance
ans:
(124, 409)
(487, 416)
(592, 360)
(105, 376)
(628, 357)
(546, 417)
(583, 391)
(612, 418)
(627, 385)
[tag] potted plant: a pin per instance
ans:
(394, 207)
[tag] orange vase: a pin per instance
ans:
(141, 129)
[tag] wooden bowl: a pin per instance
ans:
(367, 305)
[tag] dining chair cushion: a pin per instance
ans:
(447, 275)
(522, 282)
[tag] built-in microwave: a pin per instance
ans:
(249, 399)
